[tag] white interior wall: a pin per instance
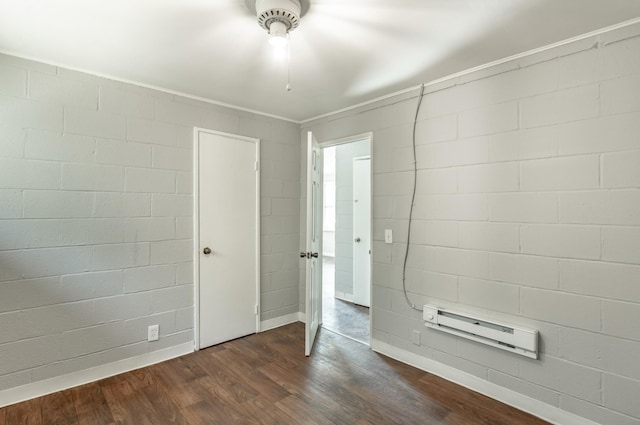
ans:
(528, 211)
(96, 219)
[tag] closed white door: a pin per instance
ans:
(362, 231)
(228, 223)
(313, 253)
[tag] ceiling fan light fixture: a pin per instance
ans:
(278, 17)
(278, 34)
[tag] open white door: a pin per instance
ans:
(313, 253)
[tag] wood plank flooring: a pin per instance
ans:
(265, 379)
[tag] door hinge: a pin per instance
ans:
(257, 165)
(257, 309)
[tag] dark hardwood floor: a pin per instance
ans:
(265, 379)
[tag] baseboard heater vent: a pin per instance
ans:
(499, 335)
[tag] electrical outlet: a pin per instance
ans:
(388, 236)
(415, 337)
(153, 333)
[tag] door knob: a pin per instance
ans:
(357, 240)
(206, 251)
(303, 255)
(314, 254)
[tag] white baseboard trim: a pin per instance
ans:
(276, 322)
(522, 402)
(344, 296)
(59, 383)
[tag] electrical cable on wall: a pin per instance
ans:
(413, 197)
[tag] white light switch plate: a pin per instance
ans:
(388, 236)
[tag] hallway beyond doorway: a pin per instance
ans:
(340, 316)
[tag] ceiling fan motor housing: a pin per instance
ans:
(285, 12)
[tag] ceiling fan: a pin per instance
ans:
(278, 17)
(319, 32)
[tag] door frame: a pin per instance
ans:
(343, 141)
(196, 226)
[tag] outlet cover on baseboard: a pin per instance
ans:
(153, 333)
(415, 337)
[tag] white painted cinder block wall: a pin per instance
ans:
(96, 217)
(528, 211)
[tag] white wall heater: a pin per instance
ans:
(500, 335)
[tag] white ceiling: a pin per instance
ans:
(344, 52)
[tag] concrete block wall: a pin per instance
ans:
(96, 217)
(280, 204)
(344, 214)
(527, 211)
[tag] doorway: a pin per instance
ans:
(227, 235)
(346, 278)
